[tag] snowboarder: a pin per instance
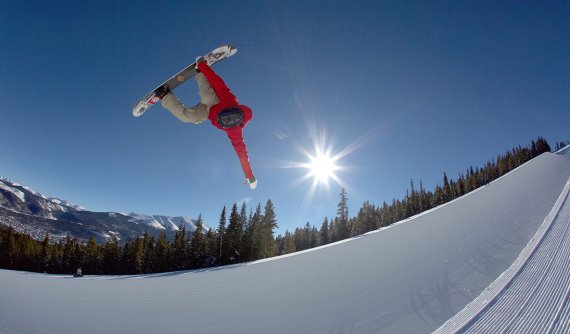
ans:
(78, 273)
(220, 106)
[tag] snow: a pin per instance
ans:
(145, 219)
(408, 278)
(564, 150)
(523, 288)
(62, 203)
(165, 222)
(18, 193)
(59, 204)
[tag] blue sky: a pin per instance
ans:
(404, 89)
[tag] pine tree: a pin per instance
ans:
(343, 231)
(111, 256)
(137, 260)
(446, 189)
(560, 145)
(253, 236)
(366, 219)
(288, 244)
(422, 200)
(221, 235)
(55, 259)
(70, 261)
(44, 255)
(77, 259)
(26, 252)
(13, 249)
(268, 224)
(162, 254)
(243, 216)
(91, 257)
(412, 201)
(461, 186)
(332, 231)
(542, 146)
(299, 239)
(234, 237)
(439, 197)
(385, 216)
(126, 260)
(148, 244)
(307, 235)
(324, 232)
(180, 249)
(210, 251)
(314, 237)
(279, 244)
(197, 245)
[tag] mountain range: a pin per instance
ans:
(35, 214)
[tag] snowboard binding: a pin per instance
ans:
(150, 99)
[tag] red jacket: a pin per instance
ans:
(227, 100)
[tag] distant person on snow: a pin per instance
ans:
(220, 106)
(78, 273)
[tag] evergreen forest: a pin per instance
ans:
(245, 234)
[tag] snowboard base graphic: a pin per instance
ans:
(179, 78)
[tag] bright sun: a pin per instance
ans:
(321, 167)
(322, 164)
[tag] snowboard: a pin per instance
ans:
(150, 99)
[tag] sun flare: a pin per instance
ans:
(322, 167)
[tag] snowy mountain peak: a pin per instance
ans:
(30, 211)
(20, 191)
(166, 222)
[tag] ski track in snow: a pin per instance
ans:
(533, 295)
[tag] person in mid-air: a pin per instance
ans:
(220, 106)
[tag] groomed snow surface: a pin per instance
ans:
(532, 296)
(493, 261)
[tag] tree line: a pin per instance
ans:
(417, 200)
(245, 236)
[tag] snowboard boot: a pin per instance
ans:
(199, 60)
(252, 182)
(162, 91)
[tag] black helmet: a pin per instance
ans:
(230, 117)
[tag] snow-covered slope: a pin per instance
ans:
(408, 278)
(532, 296)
